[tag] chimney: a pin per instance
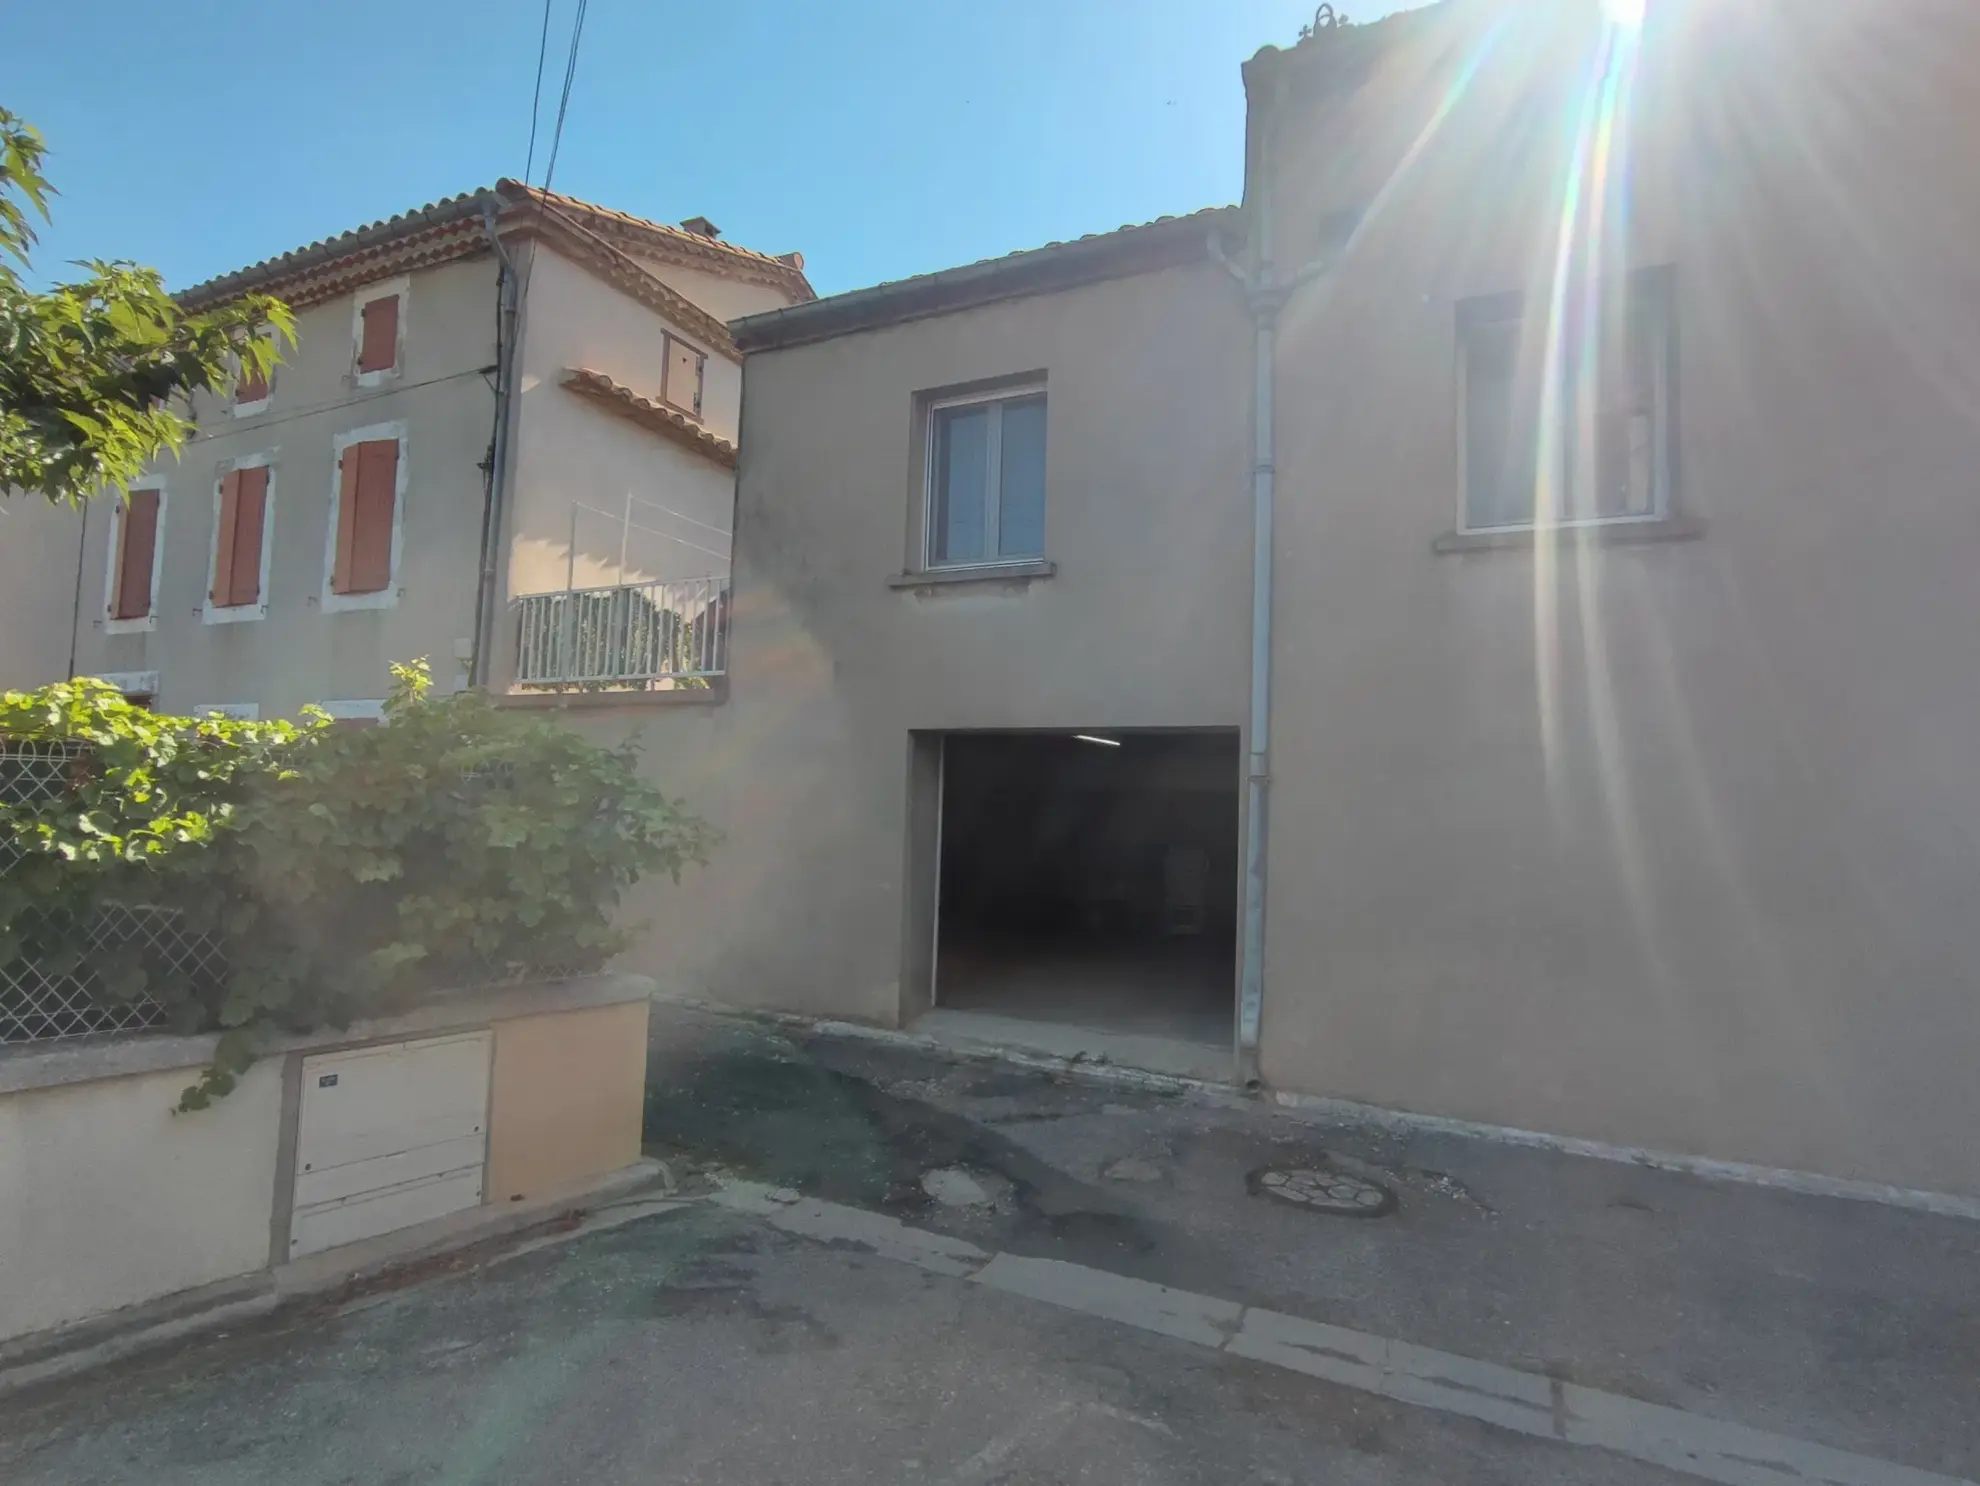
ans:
(701, 227)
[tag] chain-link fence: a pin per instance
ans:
(39, 1003)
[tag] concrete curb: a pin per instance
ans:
(385, 1262)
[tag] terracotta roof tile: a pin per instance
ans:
(617, 398)
(784, 271)
(452, 228)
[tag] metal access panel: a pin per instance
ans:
(388, 1136)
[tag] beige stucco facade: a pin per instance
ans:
(642, 508)
(593, 491)
(299, 651)
(1659, 836)
(1665, 844)
(820, 898)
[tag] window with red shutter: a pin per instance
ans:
(237, 538)
(378, 337)
(137, 546)
(367, 497)
(252, 388)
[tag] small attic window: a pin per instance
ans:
(701, 227)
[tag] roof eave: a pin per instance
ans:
(1168, 243)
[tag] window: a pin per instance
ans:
(367, 512)
(986, 479)
(356, 714)
(1611, 446)
(135, 550)
(378, 331)
(251, 393)
(140, 688)
(243, 510)
(680, 381)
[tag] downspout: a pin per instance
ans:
(1264, 299)
(498, 453)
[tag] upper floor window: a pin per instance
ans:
(367, 514)
(251, 393)
(135, 552)
(680, 380)
(1604, 455)
(986, 478)
(378, 331)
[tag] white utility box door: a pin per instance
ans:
(389, 1136)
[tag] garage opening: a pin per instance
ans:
(1091, 880)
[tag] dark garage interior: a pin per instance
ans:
(1091, 880)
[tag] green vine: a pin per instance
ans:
(344, 872)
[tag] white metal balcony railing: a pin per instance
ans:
(631, 635)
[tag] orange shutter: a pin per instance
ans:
(252, 387)
(347, 505)
(378, 345)
(367, 494)
(138, 542)
(250, 512)
(223, 539)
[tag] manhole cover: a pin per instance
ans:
(1317, 1189)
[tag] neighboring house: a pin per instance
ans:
(1621, 783)
(461, 430)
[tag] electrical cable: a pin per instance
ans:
(342, 402)
(564, 102)
(536, 97)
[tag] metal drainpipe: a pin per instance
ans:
(1264, 298)
(498, 459)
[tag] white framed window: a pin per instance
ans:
(348, 713)
(985, 482)
(1594, 448)
(363, 545)
(238, 557)
(251, 395)
(378, 331)
(135, 562)
(239, 711)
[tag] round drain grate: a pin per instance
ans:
(1320, 1190)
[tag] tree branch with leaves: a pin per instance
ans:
(97, 376)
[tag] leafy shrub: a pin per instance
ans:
(346, 872)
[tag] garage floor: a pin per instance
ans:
(1180, 989)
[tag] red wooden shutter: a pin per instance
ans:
(347, 505)
(368, 491)
(378, 346)
(252, 387)
(137, 545)
(250, 512)
(223, 539)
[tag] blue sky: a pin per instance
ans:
(880, 137)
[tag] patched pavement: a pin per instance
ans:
(708, 1345)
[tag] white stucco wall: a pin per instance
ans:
(108, 1198)
(572, 455)
(38, 554)
(724, 298)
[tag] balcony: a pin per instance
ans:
(632, 637)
